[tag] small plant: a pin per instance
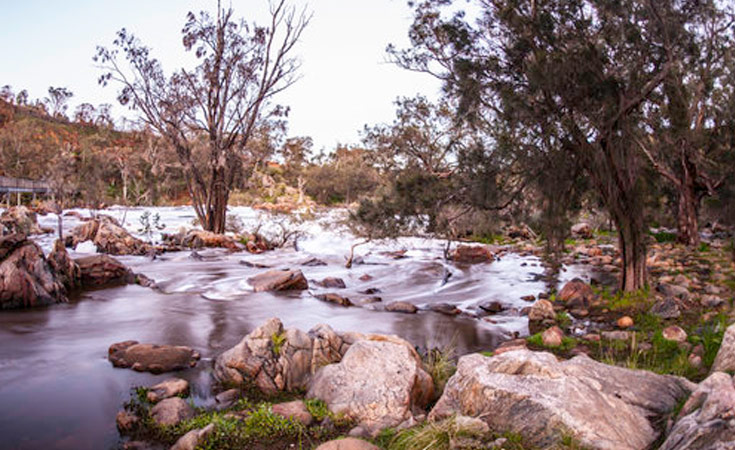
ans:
(440, 364)
(567, 343)
(278, 339)
(703, 247)
(664, 236)
(150, 224)
(563, 319)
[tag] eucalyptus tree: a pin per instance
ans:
(223, 100)
(573, 75)
(689, 127)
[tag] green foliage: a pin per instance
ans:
(663, 356)
(631, 301)
(703, 247)
(149, 223)
(664, 236)
(563, 320)
(710, 335)
(278, 340)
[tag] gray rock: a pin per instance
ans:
(491, 306)
(666, 309)
(401, 307)
(171, 411)
(707, 419)
(445, 308)
(541, 398)
(672, 290)
(378, 384)
(194, 438)
(712, 301)
(725, 359)
(332, 282)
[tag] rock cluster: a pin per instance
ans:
(202, 239)
(20, 220)
(109, 237)
(26, 278)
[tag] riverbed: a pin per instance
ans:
(58, 391)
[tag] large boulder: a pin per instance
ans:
(275, 359)
(725, 359)
(171, 411)
(541, 398)
(378, 384)
(472, 254)
(21, 220)
(582, 230)
(109, 237)
(103, 270)
(26, 278)
(279, 280)
(66, 270)
(151, 358)
(707, 419)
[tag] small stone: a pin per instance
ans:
(492, 306)
(171, 411)
(625, 322)
(616, 335)
(695, 360)
(444, 308)
(194, 438)
(227, 398)
(711, 301)
(335, 298)
(369, 300)
(168, 388)
(349, 443)
(528, 298)
(666, 309)
(471, 425)
(674, 333)
(365, 277)
(401, 307)
(681, 280)
(591, 337)
(126, 421)
(552, 337)
(295, 410)
(332, 283)
(541, 310)
(509, 346)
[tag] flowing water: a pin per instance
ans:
(58, 391)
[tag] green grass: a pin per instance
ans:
(567, 343)
(703, 247)
(639, 300)
(278, 340)
(441, 365)
(563, 320)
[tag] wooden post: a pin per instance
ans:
(18, 197)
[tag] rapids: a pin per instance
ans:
(58, 391)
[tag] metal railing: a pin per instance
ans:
(23, 185)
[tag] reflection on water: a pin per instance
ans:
(57, 389)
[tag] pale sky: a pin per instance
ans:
(346, 81)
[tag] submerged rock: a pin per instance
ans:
(541, 398)
(445, 308)
(472, 254)
(332, 283)
(379, 384)
(334, 298)
(103, 270)
(279, 280)
(707, 419)
(151, 358)
(401, 307)
(26, 278)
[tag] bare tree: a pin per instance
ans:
(57, 100)
(224, 99)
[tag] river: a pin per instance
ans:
(58, 391)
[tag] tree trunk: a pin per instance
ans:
(218, 211)
(687, 223)
(632, 244)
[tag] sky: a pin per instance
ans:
(347, 81)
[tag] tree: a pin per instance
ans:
(56, 102)
(688, 126)
(224, 99)
(85, 113)
(574, 75)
